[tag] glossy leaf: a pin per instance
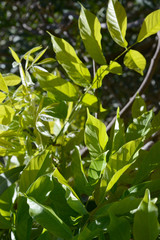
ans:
(95, 136)
(9, 177)
(40, 188)
(117, 22)
(49, 219)
(71, 197)
(120, 161)
(135, 60)
(11, 79)
(38, 166)
(3, 85)
(146, 226)
(100, 74)
(59, 87)
(96, 167)
(138, 107)
(140, 127)
(73, 66)
(150, 26)
(90, 31)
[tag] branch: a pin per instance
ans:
(145, 83)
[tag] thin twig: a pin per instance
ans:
(145, 83)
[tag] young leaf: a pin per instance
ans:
(3, 85)
(49, 219)
(100, 74)
(117, 22)
(95, 136)
(14, 55)
(46, 61)
(7, 114)
(31, 51)
(115, 68)
(90, 28)
(135, 60)
(138, 107)
(73, 66)
(11, 79)
(2, 97)
(146, 224)
(150, 26)
(92, 103)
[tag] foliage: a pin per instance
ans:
(48, 190)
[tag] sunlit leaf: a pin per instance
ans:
(11, 79)
(95, 136)
(117, 22)
(150, 26)
(3, 85)
(115, 67)
(73, 66)
(100, 74)
(14, 55)
(135, 60)
(6, 115)
(90, 28)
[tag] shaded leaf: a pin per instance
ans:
(138, 107)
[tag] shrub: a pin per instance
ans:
(49, 189)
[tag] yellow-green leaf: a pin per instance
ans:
(150, 26)
(6, 114)
(100, 74)
(11, 79)
(135, 60)
(2, 97)
(14, 55)
(73, 66)
(3, 85)
(90, 31)
(117, 22)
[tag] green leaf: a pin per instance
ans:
(100, 74)
(146, 226)
(38, 166)
(49, 219)
(115, 68)
(23, 220)
(73, 66)
(40, 188)
(119, 228)
(96, 167)
(31, 51)
(117, 22)
(3, 85)
(11, 79)
(95, 136)
(117, 135)
(71, 197)
(140, 127)
(62, 89)
(120, 161)
(46, 61)
(39, 55)
(14, 55)
(7, 178)
(135, 60)
(2, 97)
(80, 180)
(150, 26)
(138, 107)
(92, 102)
(6, 115)
(149, 163)
(90, 31)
